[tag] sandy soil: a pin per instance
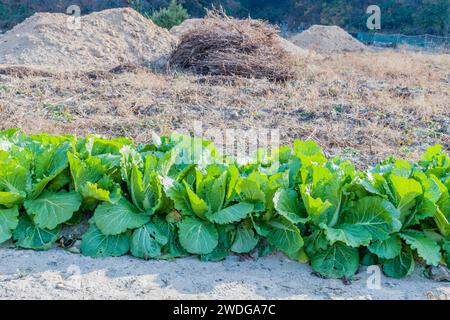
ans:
(58, 274)
(100, 40)
(327, 39)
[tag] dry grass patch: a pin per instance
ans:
(347, 103)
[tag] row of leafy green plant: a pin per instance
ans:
(174, 198)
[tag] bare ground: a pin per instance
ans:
(362, 106)
(58, 274)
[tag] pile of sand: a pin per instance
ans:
(327, 39)
(186, 26)
(106, 39)
(190, 25)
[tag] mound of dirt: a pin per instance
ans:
(190, 25)
(106, 39)
(186, 26)
(327, 39)
(291, 48)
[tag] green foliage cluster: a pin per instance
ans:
(169, 17)
(178, 196)
(398, 16)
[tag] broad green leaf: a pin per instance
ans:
(231, 214)
(223, 248)
(53, 161)
(336, 261)
(368, 259)
(446, 247)
(146, 241)
(406, 190)
(351, 235)
(198, 205)
(218, 254)
(288, 205)
(387, 249)
(324, 185)
(315, 207)
(315, 242)
(426, 248)
(60, 181)
(427, 203)
(196, 236)
(173, 248)
(261, 227)
(9, 219)
(234, 177)
(85, 171)
(129, 159)
(279, 180)
(444, 203)
(433, 188)
(39, 187)
(431, 153)
(95, 244)
(178, 194)
(13, 176)
(308, 152)
(261, 179)
(370, 218)
(113, 219)
(284, 235)
(10, 199)
(216, 196)
(98, 146)
(136, 187)
(249, 191)
(401, 168)
(401, 266)
(442, 223)
(92, 191)
(204, 185)
(145, 189)
(52, 209)
(154, 197)
(166, 162)
(245, 240)
(30, 236)
(376, 184)
(299, 256)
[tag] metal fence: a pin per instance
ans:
(426, 41)
(423, 42)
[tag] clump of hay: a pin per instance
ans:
(221, 45)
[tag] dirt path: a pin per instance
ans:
(57, 274)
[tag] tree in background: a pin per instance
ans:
(169, 17)
(398, 16)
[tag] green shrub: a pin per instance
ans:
(169, 17)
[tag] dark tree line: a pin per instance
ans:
(399, 16)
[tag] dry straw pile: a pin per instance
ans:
(221, 45)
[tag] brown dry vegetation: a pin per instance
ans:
(363, 106)
(221, 45)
